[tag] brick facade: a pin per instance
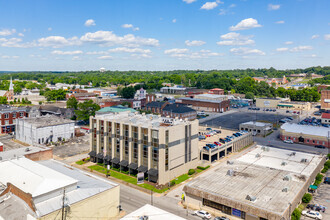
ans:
(41, 155)
(8, 119)
(325, 99)
(221, 106)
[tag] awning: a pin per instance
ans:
(153, 172)
(107, 157)
(92, 153)
(142, 169)
(133, 166)
(282, 105)
(100, 155)
(115, 160)
(313, 187)
(123, 163)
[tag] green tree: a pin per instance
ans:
(54, 94)
(72, 103)
(126, 104)
(249, 95)
(3, 100)
(86, 109)
(17, 89)
(296, 214)
(307, 198)
(128, 92)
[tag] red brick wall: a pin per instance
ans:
(41, 155)
(26, 197)
(213, 107)
(307, 141)
(10, 119)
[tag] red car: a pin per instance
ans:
(294, 112)
(217, 143)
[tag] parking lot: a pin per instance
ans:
(72, 148)
(232, 120)
(8, 144)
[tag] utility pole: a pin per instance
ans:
(63, 204)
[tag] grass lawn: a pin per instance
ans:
(199, 170)
(181, 178)
(80, 162)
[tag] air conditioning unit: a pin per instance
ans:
(285, 189)
(230, 173)
(251, 198)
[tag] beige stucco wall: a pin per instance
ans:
(101, 206)
(262, 103)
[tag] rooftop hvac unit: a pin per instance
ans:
(145, 217)
(284, 163)
(230, 172)
(293, 154)
(258, 155)
(251, 198)
(267, 149)
(263, 148)
(304, 160)
(230, 162)
(287, 178)
(285, 189)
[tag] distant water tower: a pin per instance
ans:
(102, 70)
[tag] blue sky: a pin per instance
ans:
(79, 35)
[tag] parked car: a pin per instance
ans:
(327, 180)
(317, 113)
(287, 111)
(320, 146)
(288, 141)
(209, 129)
(217, 143)
(202, 214)
(206, 148)
(221, 218)
(312, 214)
(201, 137)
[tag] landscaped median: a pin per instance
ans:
(124, 176)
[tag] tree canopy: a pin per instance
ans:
(86, 109)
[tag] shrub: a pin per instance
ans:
(191, 172)
(327, 164)
(319, 177)
(317, 182)
(203, 168)
(324, 170)
(307, 198)
(296, 214)
(172, 183)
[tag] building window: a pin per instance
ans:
(144, 133)
(6, 115)
(21, 114)
(323, 143)
(6, 122)
(166, 149)
(126, 143)
(155, 148)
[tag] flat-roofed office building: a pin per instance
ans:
(162, 148)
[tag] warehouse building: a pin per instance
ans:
(256, 128)
(300, 106)
(310, 135)
(207, 102)
(268, 102)
(47, 189)
(264, 183)
(162, 148)
(45, 129)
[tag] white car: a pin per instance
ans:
(312, 214)
(288, 141)
(203, 214)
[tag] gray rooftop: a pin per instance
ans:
(19, 152)
(47, 120)
(13, 207)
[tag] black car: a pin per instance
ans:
(327, 180)
(320, 146)
(221, 218)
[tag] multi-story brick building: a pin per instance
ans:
(9, 115)
(325, 99)
(175, 110)
(161, 148)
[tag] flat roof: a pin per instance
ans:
(258, 173)
(152, 212)
(148, 120)
(47, 120)
(14, 207)
(305, 129)
(256, 123)
(11, 154)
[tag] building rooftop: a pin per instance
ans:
(142, 120)
(114, 109)
(305, 129)
(47, 120)
(19, 152)
(14, 207)
(211, 96)
(8, 108)
(178, 108)
(256, 123)
(152, 212)
(155, 104)
(325, 115)
(259, 173)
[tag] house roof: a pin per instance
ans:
(155, 104)
(326, 115)
(178, 108)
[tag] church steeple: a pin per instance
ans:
(11, 86)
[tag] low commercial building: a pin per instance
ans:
(149, 212)
(268, 102)
(325, 99)
(325, 118)
(173, 90)
(48, 189)
(207, 102)
(310, 135)
(161, 148)
(300, 106)
(9, 116)
(31, 152)
(256, 128)
(217, 91)
(175, 110)
(265, 183)
(45, 129)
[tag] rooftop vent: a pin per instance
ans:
(287, 178)
(304, 160)
(145, 217)
(284, 163)
(293, 154)
(251, 198)
(285, 189)
(258, 155)
(230, 173)
(27, 149)
(267, 149)
(230, 162)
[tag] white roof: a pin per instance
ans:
(152, 212)
(258, 124)
(32, 177)
(306, 129)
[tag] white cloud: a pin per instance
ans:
(130, 26)
(245, 24)
(235, 39)
(129, 50)
(97, 52)
(90, 22)
(15, 42)
(327, 37)
(7, 32)
(232, 6)
(189, 1)
(176, 51)
(140, 56)
(76, 58)
(194, 43)
(210, 5)
(108, 38)
(59, 52)
(282, 49)
(185, 53)
(301, 48)
(246, 51)
(288, 42)
(49, 29)
(9, 57)
(20, 34)
(105, 58)
(58, 41)
(272, 7)
(279, 22)
(315, 36)
(174, 20)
